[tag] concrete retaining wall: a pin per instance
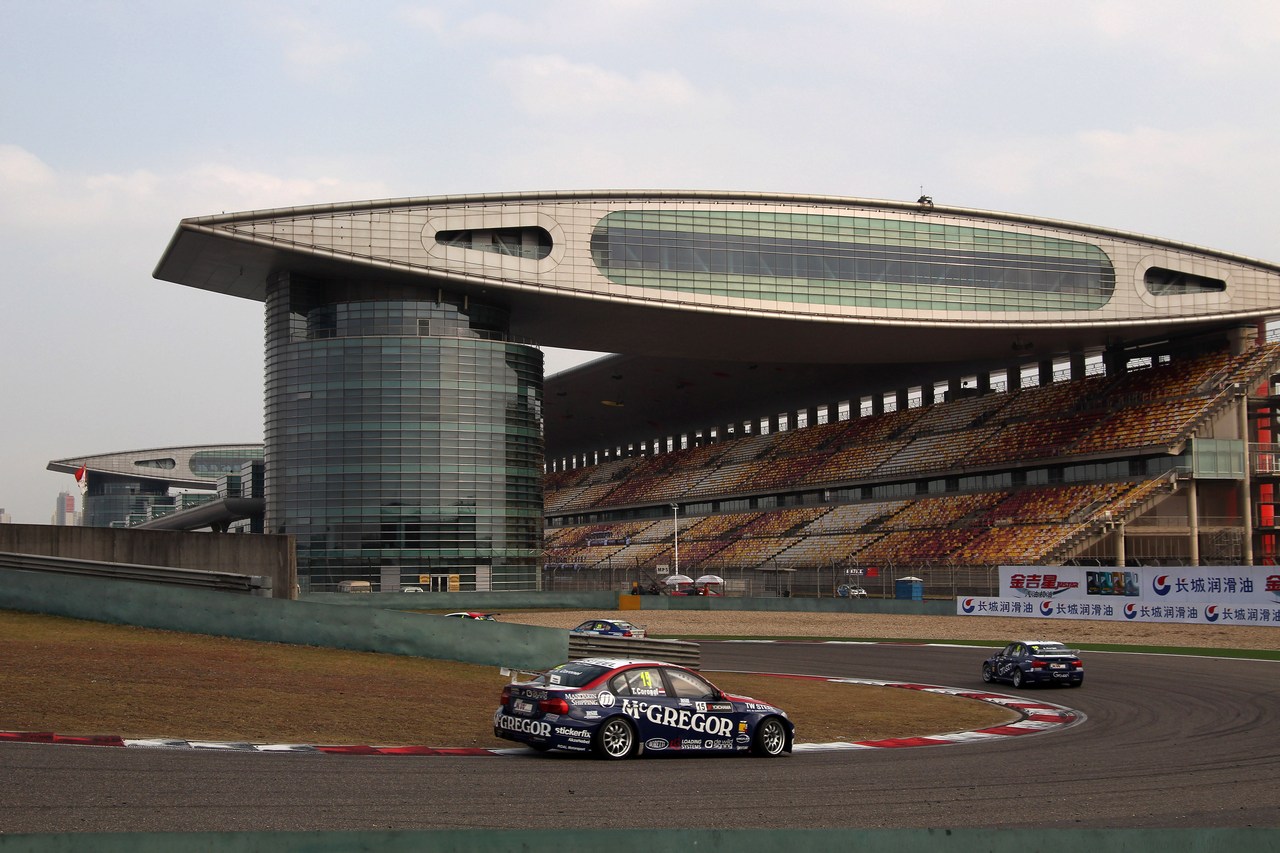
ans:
(487, 602)
(272, 620)
(259, 554)
(498, 602)
(789, 605)
(941, 840)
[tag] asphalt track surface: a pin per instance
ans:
(1168, 742)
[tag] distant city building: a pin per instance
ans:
(64, 511)
(5, 518)
(129, 488)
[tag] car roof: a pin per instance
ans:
(617, 662)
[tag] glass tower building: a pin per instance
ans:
(403, 439)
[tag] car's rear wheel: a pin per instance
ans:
(987, 675)
(770, 738)
(1017, 678)
(616, 738)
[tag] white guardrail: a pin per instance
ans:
(673, 651)
(197, 578)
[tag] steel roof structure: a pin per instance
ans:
(728, 304)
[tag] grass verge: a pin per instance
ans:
(77, 677)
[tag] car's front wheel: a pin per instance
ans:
(987, 675)
(770, 738)
(616, 738)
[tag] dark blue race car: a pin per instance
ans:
(621, 708)
(1030, 662)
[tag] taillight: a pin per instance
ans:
(506, 695)
(1038, 664)
(626, 633)
(1079, 664)
(553, 706)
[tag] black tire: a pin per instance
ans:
(615, 739)
(540, 747)
(987, 675)
(770, 738)
(1017, 678)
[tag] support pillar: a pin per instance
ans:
(1246, 481)
(1193, 522)
(1077, 366)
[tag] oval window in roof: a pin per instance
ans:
(162, 464)
(528, 241)
(1166, 282)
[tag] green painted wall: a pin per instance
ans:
(279, 621)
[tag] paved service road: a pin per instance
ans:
(1169, 742)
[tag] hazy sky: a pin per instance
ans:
(118, 119)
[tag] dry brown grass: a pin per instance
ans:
(86, 678)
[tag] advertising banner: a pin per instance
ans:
(1219, 595)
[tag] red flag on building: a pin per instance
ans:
(82, 480)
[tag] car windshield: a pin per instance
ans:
(574, 674)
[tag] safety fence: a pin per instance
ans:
(168, 575)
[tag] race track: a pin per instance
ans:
(1168, 742)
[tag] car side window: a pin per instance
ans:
(638, 682)
(1010, 650)
(686, 685)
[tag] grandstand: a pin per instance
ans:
(1096, 470)
(801, 388)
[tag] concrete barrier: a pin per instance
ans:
(487, 602)
(273, 620)
(929, 607)
(939, 840)
(261, 554)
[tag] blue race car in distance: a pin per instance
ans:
(608, 628)
(619, 708)
(1030, 662)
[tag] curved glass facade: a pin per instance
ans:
(850, 260)
(403, 438)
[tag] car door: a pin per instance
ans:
(1008, 661)
(666, 721)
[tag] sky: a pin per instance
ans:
(118, 119)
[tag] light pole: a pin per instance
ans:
(675, 527)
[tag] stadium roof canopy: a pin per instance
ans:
(197, 467)
(717, 299)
